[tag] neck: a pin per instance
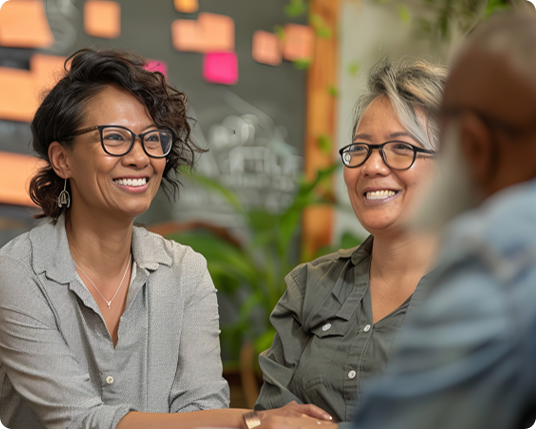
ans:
(408, 253)
(98, 241)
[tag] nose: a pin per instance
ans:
(374, 165)
(136, 157)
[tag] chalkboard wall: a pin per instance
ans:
(262, 115)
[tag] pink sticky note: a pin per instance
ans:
(221, 67)
(156, 66)
(266, 48)
(299, 42)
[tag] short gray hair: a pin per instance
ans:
(411, 87)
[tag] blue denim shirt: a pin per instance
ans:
(467, 357)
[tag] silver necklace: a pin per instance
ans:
(109, 303)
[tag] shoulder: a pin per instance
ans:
(152, 251)
(329, 267)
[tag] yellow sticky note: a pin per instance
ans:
(266, 48)
(186, 6)
(186, 35)
(46, 70)
(299, 42)
(102, 18)
(24, 24)
(16, 171)
(218, 32)
(18, 101)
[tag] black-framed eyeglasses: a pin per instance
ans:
(117, 140)
(396, 155)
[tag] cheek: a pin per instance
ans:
(351, 176)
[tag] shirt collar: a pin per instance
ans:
(51, 253)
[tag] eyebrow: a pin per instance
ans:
(364, 136)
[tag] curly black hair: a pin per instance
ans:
(87, 73)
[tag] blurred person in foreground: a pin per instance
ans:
(467, 359)
(103, 324)
(340, 314)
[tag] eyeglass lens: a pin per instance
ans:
(118, 141)
(397, 155)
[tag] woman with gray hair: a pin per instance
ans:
(340, 314)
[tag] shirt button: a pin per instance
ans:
(352, 374)
(326, 327)
(366, 328)
(109, 379)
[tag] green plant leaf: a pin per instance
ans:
(320, 27)
(495, 6)
(279, 31)
(264, 342)
(214, 185)
(325, 144)
(403, 13)
(295, 8)
(353, 69)
(302, 63)
(333, 91)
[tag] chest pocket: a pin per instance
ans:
(331, 330)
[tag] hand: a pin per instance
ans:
(288, 422)
(293, 409)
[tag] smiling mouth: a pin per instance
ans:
(380, 195)
(131, 182)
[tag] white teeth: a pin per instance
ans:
(131, 182)
(377, 195)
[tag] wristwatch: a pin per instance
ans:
(251, 419)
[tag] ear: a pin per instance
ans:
(476, 143)
(59, 160)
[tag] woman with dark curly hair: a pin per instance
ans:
(104, 324)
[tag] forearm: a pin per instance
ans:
(229, 418)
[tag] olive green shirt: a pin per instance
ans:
(327, 347)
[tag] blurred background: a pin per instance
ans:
(271, 87)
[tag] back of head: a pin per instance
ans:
(414, 88)
(62, 112)
(492, 93)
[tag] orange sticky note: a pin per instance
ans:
(218, 32)
(46, 71)
(186, 35)
(24, 24)
(18, 101)
(102, 18)
(266, 48)
(16, 172)
(186, 6)
(299, 42)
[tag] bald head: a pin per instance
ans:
(491, 93)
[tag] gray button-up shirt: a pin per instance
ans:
(327, 345)
(58, 365)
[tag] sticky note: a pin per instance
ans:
(102, 19)
(156, 66)
(186, 6)
(299, 42)
(18, 101)
(16, 172)
(266, 48)
(46, 70)
(23, 24)
(186, 35)
(218, 32)
(209, 33)
(221, 67)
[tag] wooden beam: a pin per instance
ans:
(321, 117)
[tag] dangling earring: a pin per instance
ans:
(64, 198)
